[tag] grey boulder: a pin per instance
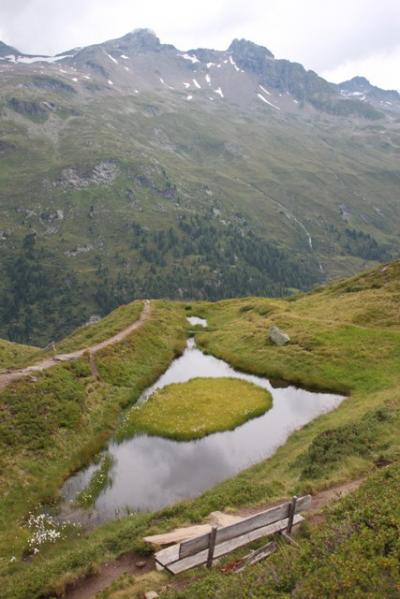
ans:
(277, 336)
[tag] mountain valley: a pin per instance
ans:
(141, 170)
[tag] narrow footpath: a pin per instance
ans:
(15, 375)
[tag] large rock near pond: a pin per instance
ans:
(277, 336)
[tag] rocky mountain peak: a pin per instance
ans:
(246, 49)
(250, 56)
(356, 84)
(139, 39)
(5, 50)
(360, 86)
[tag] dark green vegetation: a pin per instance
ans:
(344, 337)
(131, 190)
(38, 296)
(202, 406)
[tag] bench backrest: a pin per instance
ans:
(274, 514)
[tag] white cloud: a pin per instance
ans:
(329, 37)
(382, 69)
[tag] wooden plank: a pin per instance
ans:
(168, 555)
(211, 546)
(223, 548)
(288, 538)
(256, 556)
(264, 518)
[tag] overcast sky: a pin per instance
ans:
(338, 39)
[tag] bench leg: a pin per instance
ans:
(211, 546)
(292, 512)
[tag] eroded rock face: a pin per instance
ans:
(103, 173)
(277, 336)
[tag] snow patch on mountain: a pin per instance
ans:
(32, 59)
(219, 92)
(166, 84)
(193, 59)
(197, 84)
(267, 101)
(264, 90)
(114, 60)
(233, 63)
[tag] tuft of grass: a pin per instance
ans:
(99, 481)
(202, 406)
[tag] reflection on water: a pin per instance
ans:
(151, 472)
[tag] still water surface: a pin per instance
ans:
(151, 472)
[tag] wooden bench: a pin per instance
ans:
(221, 541)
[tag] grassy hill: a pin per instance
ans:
(14, 354)
(345, 337)
(132, 190)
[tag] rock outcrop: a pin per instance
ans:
(277, 336)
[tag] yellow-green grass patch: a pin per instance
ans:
(13, 355)
(202, 406)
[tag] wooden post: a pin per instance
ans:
(292, 512)
(211, 546)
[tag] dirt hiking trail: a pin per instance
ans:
(15, 375)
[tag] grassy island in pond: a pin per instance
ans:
(202, 406)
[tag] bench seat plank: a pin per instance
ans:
(222, 548)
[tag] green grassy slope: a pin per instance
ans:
(202, 201)
(53, 424)
(344, 337)
(14, 354)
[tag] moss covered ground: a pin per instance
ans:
(202, 406)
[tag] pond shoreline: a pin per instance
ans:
(150, 473)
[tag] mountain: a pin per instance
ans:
(142, 170)
(361, 88)
(7, 51)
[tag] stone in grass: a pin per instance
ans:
(151, 595)
(277, 336)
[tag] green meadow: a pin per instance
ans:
(345, 338)
(185, 411)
